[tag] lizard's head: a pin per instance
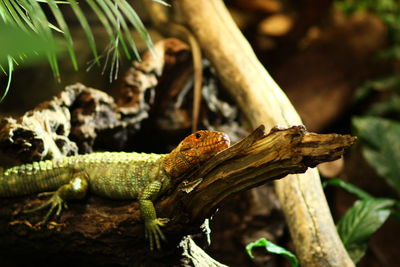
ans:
(195, 150)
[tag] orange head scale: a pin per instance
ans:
(195, 150)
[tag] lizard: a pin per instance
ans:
(115, 175)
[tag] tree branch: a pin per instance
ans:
(255, 160)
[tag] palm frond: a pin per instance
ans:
(116, 16)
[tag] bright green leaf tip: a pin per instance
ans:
(10, 71)
(272, 248)
(381, 146)
(162, 2)
(348, 187)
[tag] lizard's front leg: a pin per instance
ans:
(151, 222)
(75, 189)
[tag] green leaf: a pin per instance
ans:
(116, 19)
(115, 15)
(363, 219)
(136, 22)
(390, 105)
(102, 17)
(392, 52)
(22, 14)
(57, 2)
(388, 83)
(381, 146)
(86, 28)
(349, 188)
(41, 24)
(19, 45)
(273, 248)
(14, 14)
(64, 27)
(162, 2)
(10, 71)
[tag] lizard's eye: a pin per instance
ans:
(197, 135)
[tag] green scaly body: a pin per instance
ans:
(116, 175)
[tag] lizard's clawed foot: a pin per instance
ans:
(55, 205)
(154, 233)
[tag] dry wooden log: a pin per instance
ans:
(111, 231)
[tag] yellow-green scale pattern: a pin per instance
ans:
(116, 175)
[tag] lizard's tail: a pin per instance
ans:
(4, 184)
(29, 179)
(11, 183)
